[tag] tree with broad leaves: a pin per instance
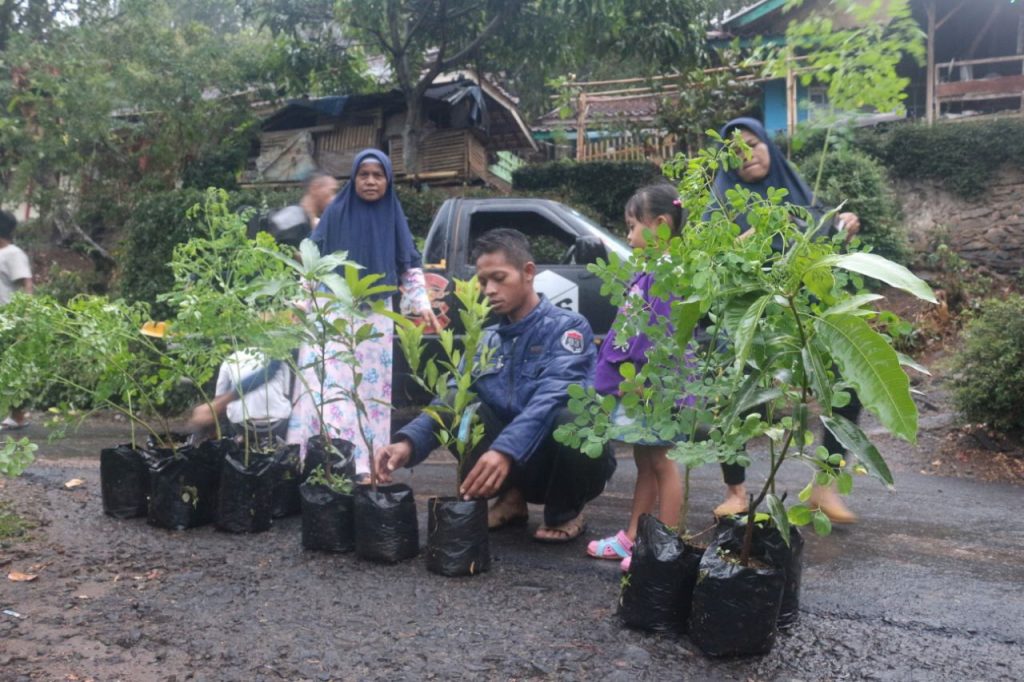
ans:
(518, 38)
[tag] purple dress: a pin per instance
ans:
(614, 352)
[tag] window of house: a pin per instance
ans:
(817, 99)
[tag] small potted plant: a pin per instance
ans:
(457, 541)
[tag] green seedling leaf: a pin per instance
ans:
(779, 516)
(799, 515)
(907, 361)
(854, 305)
(805, 494)
(854, 440)
(883, 269)
(871, 366)
(818, 375)
(822, 524)
(747, 328)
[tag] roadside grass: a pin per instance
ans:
(11, 525)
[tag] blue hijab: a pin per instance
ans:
(375, 234)
(780, 172)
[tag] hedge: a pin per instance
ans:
(603, 187)
(963, 156)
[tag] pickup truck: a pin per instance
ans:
(564, 242)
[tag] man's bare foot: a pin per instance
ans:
(735, 501)
(508, 510)
(566, 532)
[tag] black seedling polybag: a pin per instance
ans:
(457, 542)
(328, 518)
(183, 487)
(735, 608)
(124, 481)
(342, 460)
(284, 475)
(768, 541)
(657, 589)
(387, 529)
(243, 502)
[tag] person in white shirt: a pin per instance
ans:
(265, 409)
(15, 275)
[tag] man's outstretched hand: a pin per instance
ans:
(391, 457)
(486, 476)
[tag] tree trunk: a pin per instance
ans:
(59, 215)
(412, 133)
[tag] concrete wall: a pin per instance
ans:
(987, 231)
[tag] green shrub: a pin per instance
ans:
(159, 223)
(989, 368)
(420, 207)
(852, 176)
(963, 156)
(603, 187)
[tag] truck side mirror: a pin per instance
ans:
(588, 250)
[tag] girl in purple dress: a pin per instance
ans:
(657, 477)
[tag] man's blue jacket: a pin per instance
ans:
(535, 361)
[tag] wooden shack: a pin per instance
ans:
(468, 122)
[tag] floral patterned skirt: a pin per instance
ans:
(375, 361)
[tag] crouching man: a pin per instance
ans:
(540, 350)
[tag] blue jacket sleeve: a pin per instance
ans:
(521, 437)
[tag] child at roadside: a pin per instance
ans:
(15, 276)
(252, 394)
(657, 477)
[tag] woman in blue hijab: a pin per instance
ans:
(365, 220)
(767, 168)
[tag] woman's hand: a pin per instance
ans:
(848, 222)
(429, 319)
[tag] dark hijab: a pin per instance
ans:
(780, 173)
(375, 234)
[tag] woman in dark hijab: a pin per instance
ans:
(365, 220)
(766, 168)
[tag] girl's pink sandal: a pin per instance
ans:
(616, 547)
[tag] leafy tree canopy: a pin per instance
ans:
(525, 41)
(106, 100)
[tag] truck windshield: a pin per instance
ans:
(610, 241)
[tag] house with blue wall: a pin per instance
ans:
(975, 62)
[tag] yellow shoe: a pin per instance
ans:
(828, 501)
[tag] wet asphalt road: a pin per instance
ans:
(927, 586)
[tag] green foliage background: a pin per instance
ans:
(989, 367)
(158, 223)
(963, 156)
(600, 188)
(855, 177)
